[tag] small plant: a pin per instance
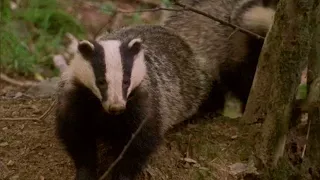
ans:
(32, 33)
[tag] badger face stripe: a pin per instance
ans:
(111, 69)
(98, 64)
(114, 74)
(129, 54)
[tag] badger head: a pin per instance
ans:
(111, 69)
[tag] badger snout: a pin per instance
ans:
(114, 108)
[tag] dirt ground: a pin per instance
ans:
(29, 149)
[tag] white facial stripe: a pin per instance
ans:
(87, 42)
(82, 70)
(139, 70)
(259, 17)
(114, 71)
(134, 41)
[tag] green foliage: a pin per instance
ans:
(31, 34)
(108, 8)
(136, 18)
(302, 91)
(167, 3)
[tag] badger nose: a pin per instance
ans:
(116, 109)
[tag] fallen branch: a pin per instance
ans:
(9, 80)
(41, 118)
(106, 173)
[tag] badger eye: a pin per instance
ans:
(100, 82)
(126, 82)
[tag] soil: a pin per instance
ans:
(210, 149)
(29, 149)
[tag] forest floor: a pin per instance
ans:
(213, 148)
(29, 149)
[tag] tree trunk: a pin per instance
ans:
(283, 56)
(313, 151)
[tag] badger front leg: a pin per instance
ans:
(79, 142)
(136, 156)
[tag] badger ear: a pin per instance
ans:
(135, 45)
(86, 49)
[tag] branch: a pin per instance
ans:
(115, 13)
(9, 80)
(42, 117)
(189, 8)
(110, 21)
(152, 10)
(105, 174)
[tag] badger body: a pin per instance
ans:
(114, 83)
(233, 54)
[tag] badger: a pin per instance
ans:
(233, 54)
(113, 84)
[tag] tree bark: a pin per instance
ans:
(313, 151)
(284, 54)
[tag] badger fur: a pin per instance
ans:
(233, 54)
(114, 83)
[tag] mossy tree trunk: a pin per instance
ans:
(313, 151)
(282, 59)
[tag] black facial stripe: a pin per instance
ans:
(127, 60)
(99, 69)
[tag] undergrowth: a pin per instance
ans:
(32, 33)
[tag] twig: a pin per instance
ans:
(187, 153)
(110, 21)
(116, 12)
(47, 112)
(189, 8)
(106, 173)
(152, 10)
(307, 137)
(186, 7)
(7, 79)
(19, 119)
(42, 117)
(233, 32)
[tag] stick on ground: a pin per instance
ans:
(42, 117)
